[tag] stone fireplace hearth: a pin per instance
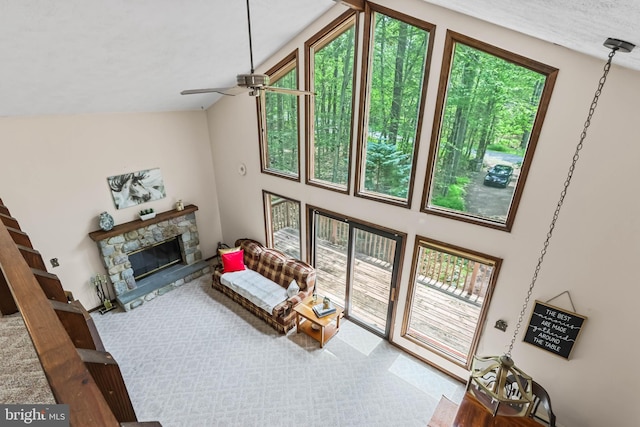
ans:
(118, 243)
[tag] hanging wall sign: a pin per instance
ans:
(554, 329)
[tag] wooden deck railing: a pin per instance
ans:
(452, 274)
(58, 330)
(285, 214)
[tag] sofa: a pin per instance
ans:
(264, 286)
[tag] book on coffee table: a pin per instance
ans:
(320, 311)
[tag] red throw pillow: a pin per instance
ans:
(233, 261)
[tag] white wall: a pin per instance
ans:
(53, 179)
(594, 250)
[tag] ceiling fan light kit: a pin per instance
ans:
(251, 80)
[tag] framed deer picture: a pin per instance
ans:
(131, 189)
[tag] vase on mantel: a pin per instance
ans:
(106, 221)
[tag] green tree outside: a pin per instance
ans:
(281, 111)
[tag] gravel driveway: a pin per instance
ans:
(492, 202)
(488, 202)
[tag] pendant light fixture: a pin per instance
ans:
(496, 381)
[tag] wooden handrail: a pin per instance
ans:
(68, 376)
(50, 285)
(9, 221)
(106, 373)
(7, 304)
(32, 257)
(20, 237)
(79, 325)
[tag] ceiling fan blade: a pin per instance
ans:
(222, 91)
(289, 91)
(263, 115)
(236, 90)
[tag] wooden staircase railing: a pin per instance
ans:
(20, 237)
(50, 285)
(9, 221)
(80, 372)
(79, 325)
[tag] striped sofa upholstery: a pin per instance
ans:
(279, 268)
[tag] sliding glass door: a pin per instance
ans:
(356, 267)
(373, 267)
(330, 254)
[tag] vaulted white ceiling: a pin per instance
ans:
(581, 25)
(95, 56)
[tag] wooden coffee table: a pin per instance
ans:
(326, 327)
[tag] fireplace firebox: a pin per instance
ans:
(152, 259)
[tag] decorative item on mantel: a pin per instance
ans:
(146, 214)
(179, 205)
(106, 221)
(497, 383)
(99, 281)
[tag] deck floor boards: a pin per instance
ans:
(438, 314)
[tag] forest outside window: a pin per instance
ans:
(279, 118)
(489, 113)
(330, 74)
(396, 57)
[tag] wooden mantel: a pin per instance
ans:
(99, 235)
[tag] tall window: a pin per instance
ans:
(448, 298)
(491, 105)
(330, 74)
(279, 138)
(282, 220)
(398, 52)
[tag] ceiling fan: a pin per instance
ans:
(255, 84)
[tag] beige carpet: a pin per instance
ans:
(193, 357)
(21, 377)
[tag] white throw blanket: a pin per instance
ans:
(261, 291)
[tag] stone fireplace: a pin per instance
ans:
(146, 259)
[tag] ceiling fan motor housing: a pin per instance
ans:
(252, 80)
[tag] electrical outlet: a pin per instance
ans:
(54, 262)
